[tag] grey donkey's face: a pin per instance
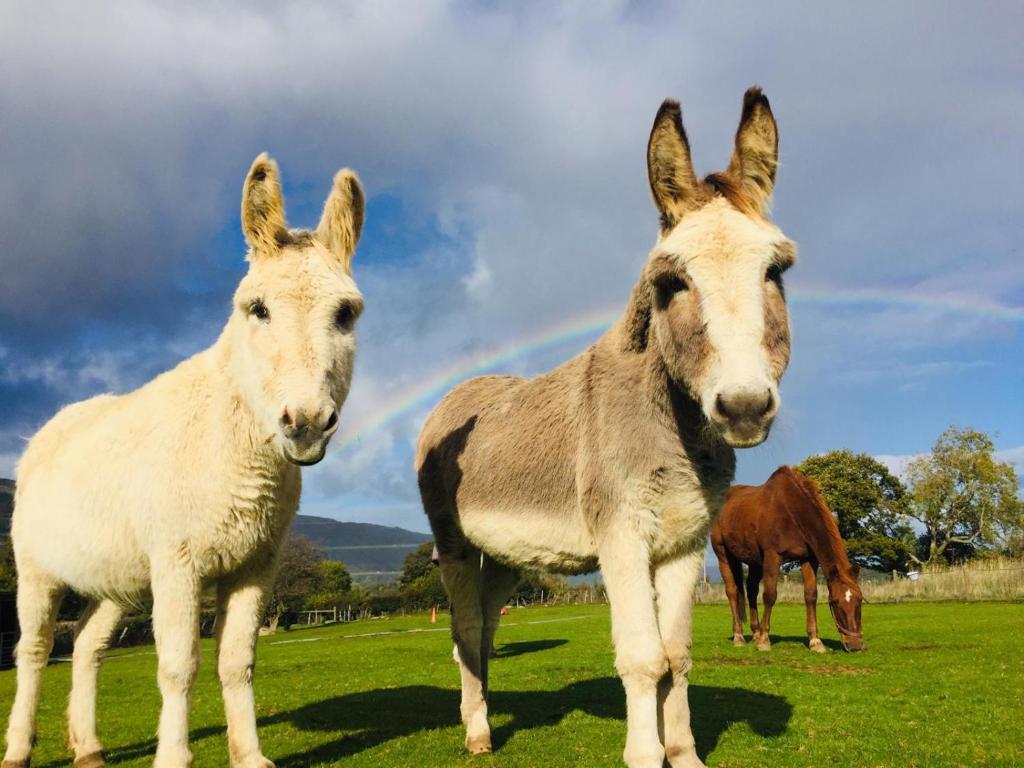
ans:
(717, 305)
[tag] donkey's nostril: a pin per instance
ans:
(332, 421)
(287, 420)
(744, 404)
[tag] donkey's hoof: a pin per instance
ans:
(816, 646)
(479, 745)
(255, 761)
(683, 757)
(91, 760)
(16, 763)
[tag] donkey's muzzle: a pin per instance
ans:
(305, 437)
(744, 414)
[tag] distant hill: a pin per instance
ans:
(365, 548)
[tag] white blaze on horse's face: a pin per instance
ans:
(718, 309)
(295, 313)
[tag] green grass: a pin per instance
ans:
(940, 685)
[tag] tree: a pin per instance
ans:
(963, 496)
(298, 577)
(418, 563)
(870, 505)
(334, 578)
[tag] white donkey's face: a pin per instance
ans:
(293, 325)
(717, 306)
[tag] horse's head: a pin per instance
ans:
(844, 601)
(293, 325)
(711, 295)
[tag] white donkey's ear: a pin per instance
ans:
(263, 221)
(755, 156)
(674, 185)
(342, 220)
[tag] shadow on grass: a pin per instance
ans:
(508, 650)
(371, 718)
(374, 717)
(833, 645)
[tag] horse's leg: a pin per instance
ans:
(39, 597)
(461, 577)
(639, 654)
(497, 583)
(810, 573)
(91, 639)
(674, 583)
(753, 583)
(772, 564)
(732, 574)
(176, 629)
(240, 605)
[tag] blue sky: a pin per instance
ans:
(502, 150)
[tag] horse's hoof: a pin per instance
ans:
(816, 646)
(481, 745)
(764, 645)
(739, 640)
(91, 760)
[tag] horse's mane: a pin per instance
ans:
(820, 529)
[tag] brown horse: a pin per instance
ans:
(785, 520)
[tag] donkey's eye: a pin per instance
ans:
(671, 284)
(345, 317)
(259, 310)
(773, 274)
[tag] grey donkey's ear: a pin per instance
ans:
(263, 221)
(674, 185)
(755, 156)
(342, 220)
(637, 322)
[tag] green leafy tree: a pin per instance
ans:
(298, 577)
(870, 505)
(963, 497)
(335, 578)
(418, 563)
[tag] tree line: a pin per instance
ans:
(955, 503)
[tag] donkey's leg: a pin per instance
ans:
(497, 583)
(240, 605)
(91, 639)
(772, 564)
(639, 655)
(753, 583)
(461, 577)
(810, 573)
(39, 597)
(732, 575)
(675, 582)
(176, 629)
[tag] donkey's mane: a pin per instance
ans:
(820, 528)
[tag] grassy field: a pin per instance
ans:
(940, 685)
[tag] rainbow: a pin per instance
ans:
(590, 324)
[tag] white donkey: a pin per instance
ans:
(191, 480)
(623, 456)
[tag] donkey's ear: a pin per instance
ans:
(756, 153)
(637, 323)
(674, 185)
(342, 221)
(263, 221)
